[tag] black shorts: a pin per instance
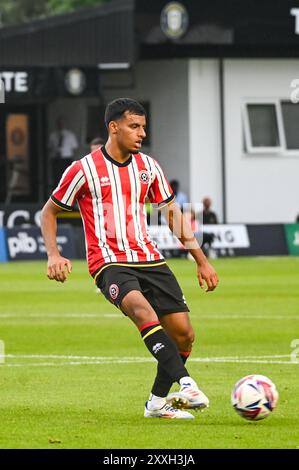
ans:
(157, 283)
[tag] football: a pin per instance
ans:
(254, 397)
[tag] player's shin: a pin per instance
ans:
(164, 350)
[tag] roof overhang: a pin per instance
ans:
(218, 28)
(101, 36)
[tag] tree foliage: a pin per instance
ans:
(58, 6)
(19, 11)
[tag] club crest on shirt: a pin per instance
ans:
(113, 291)
(144, 176)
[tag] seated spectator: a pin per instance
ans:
(208, 217)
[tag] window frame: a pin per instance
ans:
(249, 147)
(286, 151)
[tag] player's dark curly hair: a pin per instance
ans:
(116, 108)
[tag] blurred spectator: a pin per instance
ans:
(208, 216)
(191, 218)
(62, 146)
(180, 197)
(96, 143)
(297, 220)
(205, 239)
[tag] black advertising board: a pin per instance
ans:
(248, 240)
(27, 243)
(32, 83)
(231, 239)
(25, 215)
(265, 240)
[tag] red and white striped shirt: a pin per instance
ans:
(111, 198)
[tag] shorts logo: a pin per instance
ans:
(144, 176)
(157, 347)
(113, 291)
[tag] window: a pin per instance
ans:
(263, 125)
(263, 129)
(271, 127)
(290, 115)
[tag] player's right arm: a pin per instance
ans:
(58, 267)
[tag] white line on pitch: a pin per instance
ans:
(249, 317)
(60, 315)
(61, 356)
(99, 315)
(77, 363)
(100, 360)
(134, 358)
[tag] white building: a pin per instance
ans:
(219, 80)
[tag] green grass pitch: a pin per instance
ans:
(76, 373)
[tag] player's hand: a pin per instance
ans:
(207, 274)
(58, 268)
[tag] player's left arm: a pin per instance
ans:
(181, 228)
(58, 267)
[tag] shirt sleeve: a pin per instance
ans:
(70, 187)
(160, 191)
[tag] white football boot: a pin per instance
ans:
(189, 396)
(167, 412)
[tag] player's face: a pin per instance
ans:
(130, 132)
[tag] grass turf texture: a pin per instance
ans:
(52, 400)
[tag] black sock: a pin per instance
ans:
(163, 381)
(163, 348)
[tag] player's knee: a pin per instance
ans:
(142, 314)
(138, 308)
(185, 340)
(190, 337)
